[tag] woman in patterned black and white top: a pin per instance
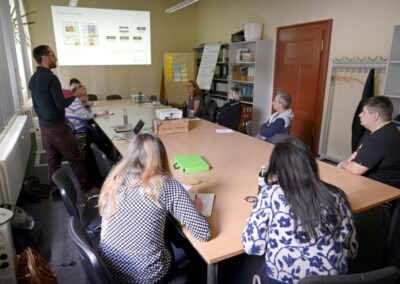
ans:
(303, 225)
(134, 202)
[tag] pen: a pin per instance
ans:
(195, 196)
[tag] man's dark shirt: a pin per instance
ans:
(47, 97)
(380, 153)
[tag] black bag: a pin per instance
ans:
(33, 190)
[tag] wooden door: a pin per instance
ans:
(301, 62)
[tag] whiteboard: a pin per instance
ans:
(208, 63)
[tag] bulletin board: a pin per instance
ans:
(179, 67)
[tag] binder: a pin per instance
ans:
(191, 163)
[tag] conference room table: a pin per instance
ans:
(235, 161)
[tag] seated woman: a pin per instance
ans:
(303, 225)
(229, 114)
(134, 202)
(194, 102)
(280, 120)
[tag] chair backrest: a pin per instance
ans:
(95, 269)
(164, 101)
(92, 97)
(278, 137)
(210, 111)
(103, 163)
(387, 275)
(67, 190)
(153, 98)
(114, 97)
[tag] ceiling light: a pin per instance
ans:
(179, 6)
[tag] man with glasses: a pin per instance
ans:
(279, 122)
(377, 156)
(49, 104)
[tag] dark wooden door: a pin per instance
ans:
(301, 62)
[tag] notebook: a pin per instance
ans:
(191, 163)
(208, 202)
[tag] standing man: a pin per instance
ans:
(49, 104)
(377, 156)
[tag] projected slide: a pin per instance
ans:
(86, 36)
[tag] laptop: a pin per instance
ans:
(128, 129)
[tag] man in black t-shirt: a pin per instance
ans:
(378, 154)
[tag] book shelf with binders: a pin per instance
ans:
(250, 68)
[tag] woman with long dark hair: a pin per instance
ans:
(135, 200)
(303, 225)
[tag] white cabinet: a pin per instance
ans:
(251, 68)
(392, 81)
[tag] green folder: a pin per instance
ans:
(191, 164)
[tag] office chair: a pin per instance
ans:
(279, 137)
(102, 161)
(90, 217)
(113, 97)
(92, 97)
(95, 269)
(209, 111)
(390, 242)
(164, 101)
(387, 275)
(153, 98)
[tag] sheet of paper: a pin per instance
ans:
(223, 130)
(208, 202)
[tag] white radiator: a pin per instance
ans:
(14, 154)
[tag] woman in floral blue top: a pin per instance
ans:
(303, 225)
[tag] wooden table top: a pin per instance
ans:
(235, 161)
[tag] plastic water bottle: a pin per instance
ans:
(184, 110)
(261, 178)
(125, 117)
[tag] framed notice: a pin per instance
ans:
(207, 67)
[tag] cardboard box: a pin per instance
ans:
(171, 126)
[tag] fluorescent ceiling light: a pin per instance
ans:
(73, 3)
(179, 6)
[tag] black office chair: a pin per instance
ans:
(114, 97)
(387, 275)
(164, 101)
(389, 253)
(92, 97)
(209, 111)
(279, 137)
(95, 269)
(90, 217)
(153, 98)
(102, 161)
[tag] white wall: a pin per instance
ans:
(360, 28)
(169, 33)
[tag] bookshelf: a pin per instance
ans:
(392, 82)
(251, 67)
(248, 65)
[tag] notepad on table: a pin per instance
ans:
(191, 163)
(208, 202)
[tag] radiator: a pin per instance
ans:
(14, 154)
